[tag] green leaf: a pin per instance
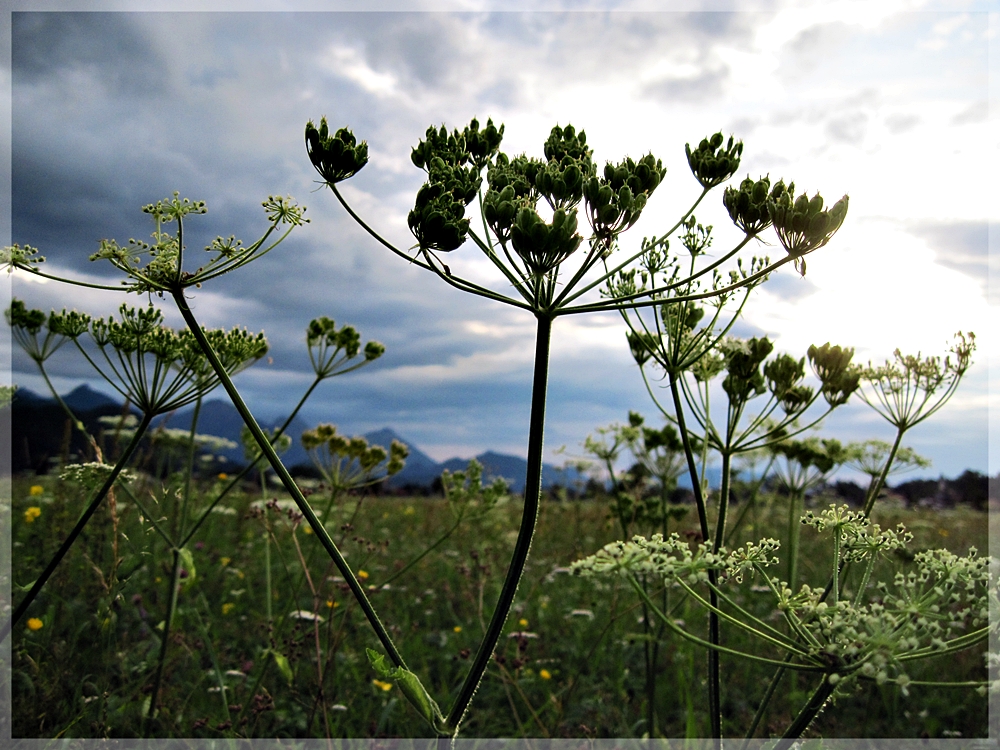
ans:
(187, 562)
(412, 688)
(283, 666)
(383, 670)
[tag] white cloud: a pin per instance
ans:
(878, 288)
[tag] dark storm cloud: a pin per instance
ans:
(92, 142)
(105, 45)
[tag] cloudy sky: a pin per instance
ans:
(886, 102)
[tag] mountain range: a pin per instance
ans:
(38, 433)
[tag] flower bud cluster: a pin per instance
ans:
(140, 352)
(801, 223)
(93, 474)
(512, 187)
(336, 157)
(543, 246)
(697, 238)
(747, 204)
(670, 558)
(20, 317)
(465, 489)
(453, 163)
(832, 365)
(347, 461)
(615, 200)
(281, 210)
(15, 256)
(743, 379)
(710, 163)
(783, 374)
(821, 454)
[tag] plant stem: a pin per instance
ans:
(77, 530)
(249, 467)
(880, 482)
(762, 708)
(794, 534)
(529, 516)
(807, 714)
(286, 479)
(714, 687)
(164, 639)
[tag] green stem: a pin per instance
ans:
(164, 639)
(880, 482)
(249, 467)
(69, 412)
(77, 530)
(807, 714)
(768, 694)
(190, 464)
(794, 533)
(286, 479)
(529, 516)
(689, 454)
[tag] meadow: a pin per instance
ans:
(156, 597)
(266, 641)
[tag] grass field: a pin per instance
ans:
(259, 649)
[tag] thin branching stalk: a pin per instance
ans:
(286, 479)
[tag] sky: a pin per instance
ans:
(886, 102)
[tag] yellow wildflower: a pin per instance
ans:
(523, 622)
(36, 490)
(308, 530)
(362, 575)
(224, 561)
(457, 628)
(227, 608)
(384, 686)
(223, 476)
(409, 510)
(330, 603)
(545, 674)
(32, 513)
(34, 623)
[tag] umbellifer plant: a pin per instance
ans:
(554, 270)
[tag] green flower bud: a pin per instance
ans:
(642, 346)
(561, 182)
(335, 157)
(747, 205)
(615, 201)
(19, 316)
(437, 220)
(482, 144)
(710, 165)
(451, 149)
(70, 324)
(543, 246)
(563, 142)
(832, 365)
(744, 379)
(802, 225)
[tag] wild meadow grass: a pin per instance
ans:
(570, 663)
